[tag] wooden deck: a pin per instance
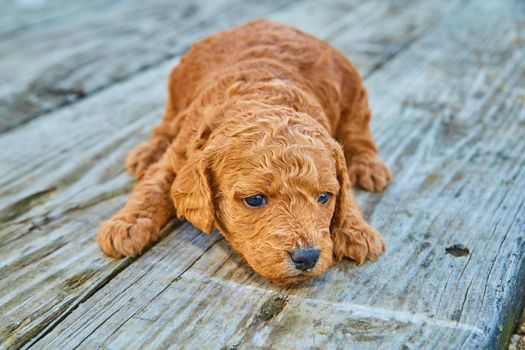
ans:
(82, 82)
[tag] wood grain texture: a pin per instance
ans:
(80, 55)
(372, 32)
(19, 15)
(54, 199)
(92, 49)
(451, 125)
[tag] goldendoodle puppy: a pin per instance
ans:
(265, 128)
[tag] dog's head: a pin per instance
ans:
(274, 188)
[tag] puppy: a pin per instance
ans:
(265, 128)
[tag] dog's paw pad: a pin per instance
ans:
(119, 238)
(368, 172)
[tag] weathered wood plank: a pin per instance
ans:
(18, 15)
(371, 33)
(83, 54)
(219, 302)
(74, 179)
(452, 127)
(67, 71)
(55, 182)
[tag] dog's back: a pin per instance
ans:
(263, 46)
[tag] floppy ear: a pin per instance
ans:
(341, 204)
(191, 192)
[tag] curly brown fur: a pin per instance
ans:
(259, 109)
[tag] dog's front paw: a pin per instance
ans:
(358, 243)
(119, 237)
(369, 172)
(140, 158)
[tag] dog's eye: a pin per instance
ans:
(323, 198)
(255, 201)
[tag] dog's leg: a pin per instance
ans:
(355, 238)
(181, 84)
(148, 209)
(147, 153)
(353, 132)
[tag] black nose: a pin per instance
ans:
(305, 258)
